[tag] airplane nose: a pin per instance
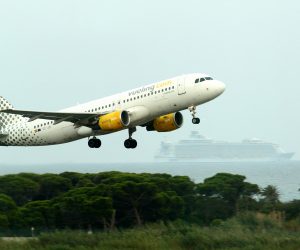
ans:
(220, 87)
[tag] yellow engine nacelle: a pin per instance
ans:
(166, 123)
(114, 121)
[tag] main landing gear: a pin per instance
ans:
(130, 143)
(195, 119)
(94, 143)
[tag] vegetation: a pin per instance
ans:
(153, 211)
(247, 231)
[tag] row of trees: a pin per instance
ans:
(115, 199)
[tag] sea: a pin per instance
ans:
(285, 175)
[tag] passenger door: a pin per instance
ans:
(181, 86)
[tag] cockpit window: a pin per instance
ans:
(203, 79)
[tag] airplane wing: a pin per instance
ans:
(58, 117)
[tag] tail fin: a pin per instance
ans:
(4, 104)
(7, 119)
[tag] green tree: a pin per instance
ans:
(38, 214)
(7, 211)
(7, 204)
(270, 198)
(73, 177)
(228, 187)
(85, 182)
(165, 206)
(292, 209)
(207, 209)
(81, 207)
(52, 185)
(132, 198)
(19, 188)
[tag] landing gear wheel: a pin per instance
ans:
(127, 143)
(196, 120)
(130, 143)
(193, 111)
(94, 143)
(97, 143)
(91, 143)
(133, 143)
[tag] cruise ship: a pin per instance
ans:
(202, 149)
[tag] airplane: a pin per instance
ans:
(155, 107)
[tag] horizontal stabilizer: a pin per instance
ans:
(3, 135)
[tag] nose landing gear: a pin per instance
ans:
(196, 120)
(193, 111)
(130, 143)
(94, 143)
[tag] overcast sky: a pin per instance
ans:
(55, 54)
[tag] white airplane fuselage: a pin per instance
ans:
(146, 103)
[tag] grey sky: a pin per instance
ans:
(55, 54)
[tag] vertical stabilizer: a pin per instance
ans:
(7, 119)
(4, 104)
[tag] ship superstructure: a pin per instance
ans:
(200, 148)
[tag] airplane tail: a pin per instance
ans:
(6, 119)
(4, 104)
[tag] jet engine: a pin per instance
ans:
(114, 121)
(166, 123)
